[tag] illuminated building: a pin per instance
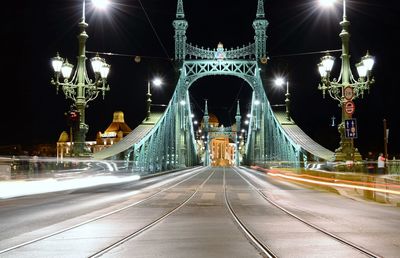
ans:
(114, 133)
(117, 130)
(222, 147)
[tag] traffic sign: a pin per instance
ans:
(350, 128)
(348, 93)
(349, 107)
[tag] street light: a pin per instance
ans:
(279, 82)
(102, 4)
(156, 82)
(80, 89)
(346, 88)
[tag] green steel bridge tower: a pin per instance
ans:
(167, 140)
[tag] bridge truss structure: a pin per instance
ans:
(167, 141)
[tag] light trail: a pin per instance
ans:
(10, 189)
(278, 173)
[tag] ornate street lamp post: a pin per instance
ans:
(279, 82)
(346, 88)
(156, 82)
(80, 89)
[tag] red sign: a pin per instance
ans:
(349, 107)
(348, 93)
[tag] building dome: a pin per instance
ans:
(64, 137)
(118, 117)
(118, 124)
(213, 119)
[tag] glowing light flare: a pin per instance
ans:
(327, 3)
(101, 4)
(279, 82)
(157, 82)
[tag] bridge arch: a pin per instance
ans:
(245, 70)
(169, 142)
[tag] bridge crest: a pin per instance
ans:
(188, 51)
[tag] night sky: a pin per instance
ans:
(33, 32)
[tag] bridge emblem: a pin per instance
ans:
(220, 53)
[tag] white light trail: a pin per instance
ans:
(11, 189)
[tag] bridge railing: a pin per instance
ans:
(195, 52)
(393, 166)
(33, 167)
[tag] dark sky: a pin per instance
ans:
(33, 31)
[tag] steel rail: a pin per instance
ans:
(101, 216)
(151, 224)
(324, 231)
(259, 245)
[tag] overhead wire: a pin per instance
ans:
(154, 30)
(195, 102)
(235, 101)
(309, 53)
(128, 55)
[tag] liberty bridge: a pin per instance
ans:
(162, 192)
(167, 140)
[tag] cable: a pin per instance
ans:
(235, 101)
(128, 55)
(237, 97)
(155, 32)
(195, 102)
(310, 53)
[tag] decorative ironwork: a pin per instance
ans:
(346, 88)
(80, 89)
(171, 142)
(195, 52)
(244, 69)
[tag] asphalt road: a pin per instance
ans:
(192, 219)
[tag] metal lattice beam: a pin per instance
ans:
(170, 143)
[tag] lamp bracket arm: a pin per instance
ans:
(93, 95)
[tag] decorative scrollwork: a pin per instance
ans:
(195, 52)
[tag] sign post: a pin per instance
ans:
(350, 126)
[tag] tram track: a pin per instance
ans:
(151, 224)
(264, 250)
(239, 191)
(309, 224)
(108, 214)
